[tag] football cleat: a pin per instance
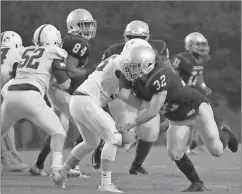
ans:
(58, 178)
(35, 171)
(196, 187)
(233, 142)
(137, 170)
(109, 188)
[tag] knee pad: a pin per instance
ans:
(174, 156)
(109, 151)
(81, 149)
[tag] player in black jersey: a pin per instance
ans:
(81, 28)
(189, 65)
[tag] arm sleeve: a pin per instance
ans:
(59, 71)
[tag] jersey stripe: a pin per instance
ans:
(40, 33)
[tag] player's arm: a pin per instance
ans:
(152, 111)
(201, 84)
(74, 67)
(59, 72)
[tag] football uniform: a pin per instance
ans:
(9, 58)
(26, 91)
(123, 113)
(79, 48)
(87, 102)
(182, 107)
(188, 69)
(181, 101)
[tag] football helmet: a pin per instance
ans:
(11, 39)
(81, 22)
(130, 44)
(197, 43)
(140, 61)
(137, 29)
(47, 34)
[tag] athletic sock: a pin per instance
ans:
(44, 152)
(187, 168)
(142, 150)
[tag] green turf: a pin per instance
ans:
(219, 174)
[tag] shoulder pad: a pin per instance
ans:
(76, 46)
(57, 52)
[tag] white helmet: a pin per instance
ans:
(47, 34)
(130, 44)
(196, 42)
(81, 22)
(137, 29)
(11, 39)
(139, 61)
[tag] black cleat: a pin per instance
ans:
(196, 187)
(233, 143)
(96, 156)
(137, 170)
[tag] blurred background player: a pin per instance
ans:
(81, 28)
(121, 111)
(189, 65)
(11, 49)
(25, 94)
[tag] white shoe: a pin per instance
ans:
(109, 188)
(35, 171)
(76, 173)
(58, 178)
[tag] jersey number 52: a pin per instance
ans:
(160, 82)
(29, 56)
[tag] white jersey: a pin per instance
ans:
(36, 66)
(9, 56)
(102, 84)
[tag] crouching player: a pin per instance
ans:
(166, 93)
(86, 108)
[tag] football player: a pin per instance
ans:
(86, 108)
(81, 28)
(11, 48)
(123, 113)
(24, 99)
(167, 93)
(190, 65)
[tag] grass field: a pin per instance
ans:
(221, 175)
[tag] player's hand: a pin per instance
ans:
(207, 91)
(126, 127)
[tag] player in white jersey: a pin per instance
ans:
(24, 99)
(86, 108)
(11, 48)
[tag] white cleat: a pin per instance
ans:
(109, 188)
(58, 178)
(35, 171)
(76, 173)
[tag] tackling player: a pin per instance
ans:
(24, 99)
(190, 65)
(86, 108)
(166, 93)
(11, 48)
(81, 28)
(123, 113)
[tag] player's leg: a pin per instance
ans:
(45, 118)
(177, 137)
(37, 168)
(147, 134)
(214, 141)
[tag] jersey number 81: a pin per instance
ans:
(77, 48)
